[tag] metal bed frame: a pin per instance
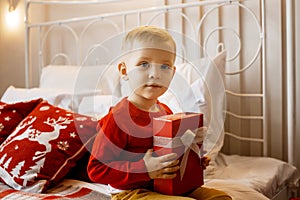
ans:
(218, 3)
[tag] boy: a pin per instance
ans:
(122, 151)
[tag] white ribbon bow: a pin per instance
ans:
(190, 140)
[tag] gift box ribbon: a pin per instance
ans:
(190, 140)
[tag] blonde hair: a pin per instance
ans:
(147, 34)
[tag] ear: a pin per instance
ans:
(174, 70)
(122, 69)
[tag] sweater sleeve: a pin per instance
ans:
(106, 165)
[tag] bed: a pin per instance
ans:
(72, 80)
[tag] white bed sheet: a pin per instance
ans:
(235, 189)
(67, 184)
(242, 177)
(246, 177)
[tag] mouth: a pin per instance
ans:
(153, 85)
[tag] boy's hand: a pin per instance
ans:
(163, 167)
(205, 161)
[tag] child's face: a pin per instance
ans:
(150, 70)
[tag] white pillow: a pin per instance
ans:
(95, 106)
(103, 78)
(179, 96)
(211, 89)
(198, 86)
(193, 70)
(62, 98)
(13, 94)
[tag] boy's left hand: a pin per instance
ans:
(205, 160)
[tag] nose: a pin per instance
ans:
(154, 71)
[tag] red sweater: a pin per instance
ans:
(125, 134)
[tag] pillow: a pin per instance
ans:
(12, 114)
(44, 147)
(81, 78)
(193, 70)
(188, 90)
(63, 98)
(96, 106)
(198, 86)
(13, 94)
(211, 99)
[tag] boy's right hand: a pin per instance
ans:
(162, 167)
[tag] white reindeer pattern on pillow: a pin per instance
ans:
(38, 157)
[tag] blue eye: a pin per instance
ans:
(165, 67)
(144, 65)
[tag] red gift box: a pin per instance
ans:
(169, 131)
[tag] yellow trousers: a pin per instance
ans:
(201, 193)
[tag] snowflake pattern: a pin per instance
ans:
(34, 134)
(73, 135)
(63, 145)
(7, 118)
(81, 118)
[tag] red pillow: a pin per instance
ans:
(12, 114)
(44, 147)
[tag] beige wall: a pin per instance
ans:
(12, 66)
(11, 50)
